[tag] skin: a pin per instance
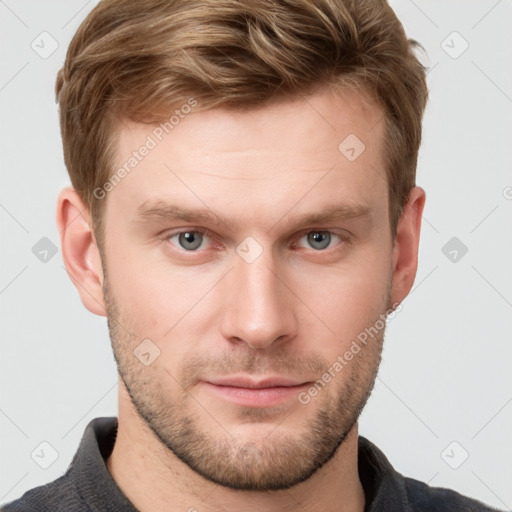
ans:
(290, 312)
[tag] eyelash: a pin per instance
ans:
(344, 239)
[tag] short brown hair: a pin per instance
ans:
(139, 60)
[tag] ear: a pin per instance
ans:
(80, 251)
(405, 252)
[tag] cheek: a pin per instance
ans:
(348, 298)
(158, 300)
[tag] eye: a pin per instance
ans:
(188, 240)
(319, 240)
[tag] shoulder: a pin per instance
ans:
(57, 496)
(424, 498)
(86, 480)
(388, 490)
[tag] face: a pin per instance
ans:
(244, 256)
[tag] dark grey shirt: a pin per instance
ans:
(88, 486)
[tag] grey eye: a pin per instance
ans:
(190, 240)
(319, 239)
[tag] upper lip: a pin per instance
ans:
(252, 383)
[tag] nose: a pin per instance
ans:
(258, 308)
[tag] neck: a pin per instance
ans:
(155, 480)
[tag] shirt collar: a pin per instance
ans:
(88, 470)
(384, 488)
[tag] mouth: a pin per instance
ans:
(249, 392)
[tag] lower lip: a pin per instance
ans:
(263, 397)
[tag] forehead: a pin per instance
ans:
(307, 118)
(327, 145)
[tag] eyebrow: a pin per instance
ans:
(159, 210)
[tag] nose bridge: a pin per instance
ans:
(259, 311)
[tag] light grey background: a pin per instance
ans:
(447, 364)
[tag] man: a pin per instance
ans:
(244, 212)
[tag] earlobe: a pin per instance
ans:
(405, 252)
(80, 251)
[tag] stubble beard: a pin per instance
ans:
(277, 461)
